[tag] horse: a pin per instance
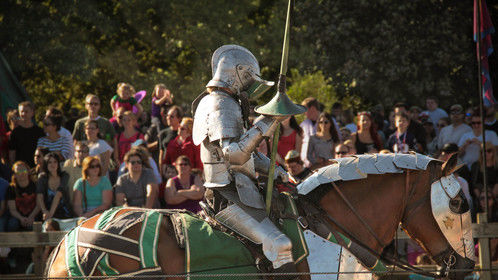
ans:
(371, 209)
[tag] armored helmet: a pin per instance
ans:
(235, 67)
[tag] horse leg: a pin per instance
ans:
(170, 257)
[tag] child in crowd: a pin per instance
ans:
(402, 141)
(125, 98)
(160, 97)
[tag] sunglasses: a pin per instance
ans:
(93, 103)
(341, 152)
(133, 162)
(22, 171)
(94, 166)
(90, 128)
(325, 122)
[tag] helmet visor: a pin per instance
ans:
(258, 88)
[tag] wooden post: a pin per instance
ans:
(484, 256)
(38, 251)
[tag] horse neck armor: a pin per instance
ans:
(359, 166)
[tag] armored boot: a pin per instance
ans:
(276, 245)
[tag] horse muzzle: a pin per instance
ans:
(451, 211)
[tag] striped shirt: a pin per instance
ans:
(62, 145)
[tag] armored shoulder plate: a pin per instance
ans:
(359, 166)
(218, 116)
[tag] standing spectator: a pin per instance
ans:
(92, 192)
(161, 97)
(21, 199)
(338, 114)
(12, 120)
(321, 145)
(39, 162)
(470, 142)
(291, 138)
(309, 125)
(23, 139)
(349, 122)
(54, 142)
(295, 167)
(341, 151)
(52, 194)
(402, 141)
(129, 135)
(97, 146)
(186, 190)
(414, 128)
(152, 134)
(54, 112)
(125, 97)
(173, 118)
(490, 119)
(138, 186)
(435, 113)
(477, 170)
(390, 128)
(366, 139)
(184, 145)
(92, 105)
(452, 133)
(74, 166)
(4, 214)
(430, 136)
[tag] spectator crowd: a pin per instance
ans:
(80, 167)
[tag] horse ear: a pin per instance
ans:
(450, 165)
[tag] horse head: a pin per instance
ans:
(437, 216)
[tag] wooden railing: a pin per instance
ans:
(37, 239)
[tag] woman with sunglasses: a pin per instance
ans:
(21, 199)
(477, 169)
(321, 145)
(92, 192)
(138, 186)
(186, 190)
(52, 195)
(97, 146)
(366, 139)
(55, 142)
(184, 145)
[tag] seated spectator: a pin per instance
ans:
(321, 145)
(21, 199)
(141, 147)
(186, 190)
(470, 142)
(295, 167)
(173, 119)
(402, 141)
(38, 158)
(493, 218)
(138, 186)
(291, 138)
(452, 133)
(414, 128)
(52, 195)
(184, 145)
(476, 170)
(430, 136)
(341, 151)
(366, 139)
(97, 146)
(73, 167)
(350, 145)
(168, 172)
(349, 122)
(92, 192)
(54, 142)
(152, 134)
(54, 112)
(4, 214)
(129, 135)
(345, 133)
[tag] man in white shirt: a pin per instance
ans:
(433, 111)
(470, 143)
(452, 133)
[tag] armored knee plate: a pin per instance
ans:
(276, 246)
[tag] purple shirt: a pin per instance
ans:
(190, 205)
(155, 110)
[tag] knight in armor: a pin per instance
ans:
(228, 150)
